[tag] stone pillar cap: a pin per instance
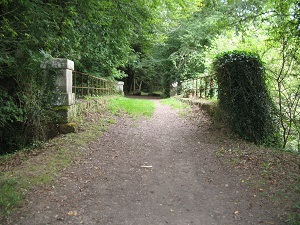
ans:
(58, 63)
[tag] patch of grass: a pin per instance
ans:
(157, 93)
(184, 108)
(9, 194)
(41, 166)
(174, 103)
(144, 93)
(39, 170)
(274, 174)
(295, 218)
(132, 107)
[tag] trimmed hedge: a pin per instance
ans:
(244, 98)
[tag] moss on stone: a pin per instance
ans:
(62, 107)
(67, 128)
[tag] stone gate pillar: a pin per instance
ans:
(120, 87)
(63, 99)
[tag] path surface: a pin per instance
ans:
(185, 183)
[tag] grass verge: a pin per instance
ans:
(271, 174)
(174, 103)
(184, 108)
(132, 107)
(41, 166)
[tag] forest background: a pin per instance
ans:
(150, 44)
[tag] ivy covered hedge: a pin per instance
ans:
(244, 98)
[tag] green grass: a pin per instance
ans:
(132, 107)
(174, 103)
(41, 171)
(59, 153)
(184, 108)
(294, 219)
(9, 194)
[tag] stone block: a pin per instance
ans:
(64, 81)
(63, 99)
(67, 128)
(119, 87)
(58, 63)
(64, 114)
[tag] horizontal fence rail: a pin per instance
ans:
(202, 87)
(88, 85)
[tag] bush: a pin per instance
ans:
(244, 98)
(25, 103)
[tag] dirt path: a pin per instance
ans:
(183, 184)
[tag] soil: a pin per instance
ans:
(161, 170)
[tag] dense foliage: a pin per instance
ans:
(97, 34)
(149, 44)
(244, 98)
(269, 28)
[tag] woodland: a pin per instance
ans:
(150, 45)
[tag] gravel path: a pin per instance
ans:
(161, 170)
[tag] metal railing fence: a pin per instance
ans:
(88, 85)
(202, 87)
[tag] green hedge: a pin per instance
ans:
(244, 98)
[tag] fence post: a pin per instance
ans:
(201, 87)
(120, 89)
(63, 99)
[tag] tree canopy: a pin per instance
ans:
(152, 43)
(268, 28)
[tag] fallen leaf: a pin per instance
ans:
(146, 167)
(72, 213)
(236, 212)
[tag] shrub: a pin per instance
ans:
(244, 98)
